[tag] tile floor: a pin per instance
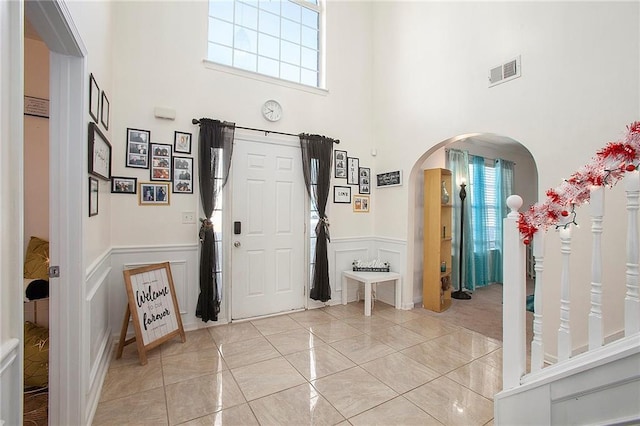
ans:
(326, 366)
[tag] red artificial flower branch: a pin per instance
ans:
(605, 169)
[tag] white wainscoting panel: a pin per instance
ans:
(343, 251)
(97, 328)
(184, 262)
(10, 384)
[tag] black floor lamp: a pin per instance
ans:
(459, 294)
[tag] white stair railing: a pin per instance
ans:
(616, 161)
(632, 298)
(596, 334)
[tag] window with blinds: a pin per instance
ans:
(489, 208)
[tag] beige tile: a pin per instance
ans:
(494, 359)
(370, 324)
(196, 340)
(398, 411)
(465, 341)
(319, 362)
(353, 391)
(186, 366)
(397, 316)
(246, 352)
(479, 377)
(234, 332)
(301, 405)
(437, 358)
(333, 331)
(266, 377)
(275, 325)
(128, 410)
(130, 355)
(363, 348)
(294, 341)
(430, 327)
(398, 337)
(451, 403)
(344, 311)
(400, 372)
(240, 415)
(201, 396)
(131, 379)
(311, 317)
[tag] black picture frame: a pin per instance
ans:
(94, 189)
(137, 155)
(160, 163)
(353, 167)
(182, 142)
(104, 111)
(94, 98)
(342, 194)
(124, 185)
(99, 153)
(340, 164)
(182, 175)
(364, 181)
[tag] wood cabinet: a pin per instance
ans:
(436, 275)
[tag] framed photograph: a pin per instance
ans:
(340, 163)
(138, 148)
(353, 165)
(182, 142)
(124, 185)
(153, 194)
(99, 153)
(389, 179)
(361, 203)
(94, 98)
(365, 180)
(160, 162)
(182, 175)
(342, 194)
(94, 187)
(104, 111)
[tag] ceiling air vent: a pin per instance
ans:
(504, 72)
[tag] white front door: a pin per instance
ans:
(268, 258)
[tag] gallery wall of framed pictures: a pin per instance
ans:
(99, 148)
(349, 168)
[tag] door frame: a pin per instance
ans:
(68, 354)
(227, 220)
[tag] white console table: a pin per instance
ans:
(369, 278)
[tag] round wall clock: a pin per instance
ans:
(272, 110)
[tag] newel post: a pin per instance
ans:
(514, 299)
(632, 297)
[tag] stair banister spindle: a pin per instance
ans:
(564, 332)
(632, 297)
(596, 335)
(513, 311)
(537, 347)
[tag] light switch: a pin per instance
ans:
(188, 217)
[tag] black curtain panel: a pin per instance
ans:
(214, 150)
(317, 155)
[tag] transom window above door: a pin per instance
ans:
(277, 38)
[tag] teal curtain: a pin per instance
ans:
(479, 276)
(504, 188)
(458, 162)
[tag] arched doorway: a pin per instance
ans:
(487, 145)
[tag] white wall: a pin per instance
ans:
(160, 47)
(430, 84)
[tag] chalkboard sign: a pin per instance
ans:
(153, 306)
(389, 179)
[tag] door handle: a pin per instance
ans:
(236, 243)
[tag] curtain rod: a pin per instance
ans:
(196, 121)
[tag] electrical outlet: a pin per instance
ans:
(188, 217)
